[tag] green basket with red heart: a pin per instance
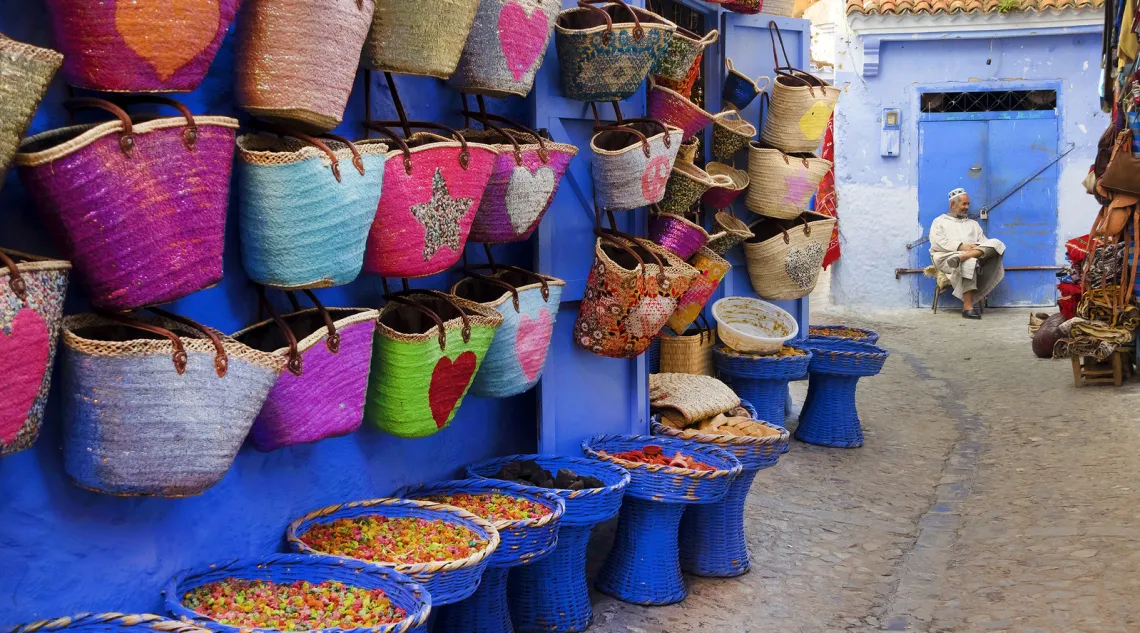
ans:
(31, 310)
(427, 349)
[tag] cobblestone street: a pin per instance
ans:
(991, 495)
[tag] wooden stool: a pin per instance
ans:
(1087, 370)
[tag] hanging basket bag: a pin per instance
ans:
(725, 190)
(322, 393)
(297, 59)
(632, 163)
(677, 234)
(801, 105)
(781, 185)
(426, 353)
(712, 269)
(785, 256)
(432, 189)
(411, 39)
(685, 48)
(523, 183)
(140, 209)
(732, 231)
(632, 290)
(675, 109)
(688, 151)
(730, 134)
(686, 184)
(446, 581)
(305, 207)
(506, 46)
(139, 46)
(739, 89)
(690, 352)
(31, 309)
(286, 569)
(26, 72)
(605, 53)
(745, 7)
(156, 407)
(684, 86)
(528, 303)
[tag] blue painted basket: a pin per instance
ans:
(448, 582)
(305, 206)
(830, 416)
(644, 565)
(288, 568)
(823, 332)
(553, 594)
(762, 380)
(108, 623)
(517, 356)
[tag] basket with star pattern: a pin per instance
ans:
(432, 188)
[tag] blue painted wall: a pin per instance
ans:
(64, 550)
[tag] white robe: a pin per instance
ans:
(980, 275)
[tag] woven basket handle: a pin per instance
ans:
(190, 134)
(618, 128)
(357, 159)
(332, 341)
(395, 138)
(763, 104)
(296, 363)
(638, 31)
(470, 272)
(526, 273)
(221, 359)
(483, 117)
(701, 318)
(127, 138)
(181, 359)
(281, 130)
(15, 281)
(450, 299)
(427, 311)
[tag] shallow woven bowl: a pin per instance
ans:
(746, 324)
(583, 507)
(667, 484)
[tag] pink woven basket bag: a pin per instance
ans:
(139, 208)
(432, 189)
(673, 108)
(139, 45)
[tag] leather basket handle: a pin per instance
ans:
(221, 359)
(332, 341)
(638, 31)
(15, 281)
(126, 138)
(181, 358)
(296, 363)
(190, 134)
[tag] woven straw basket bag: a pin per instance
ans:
(801, 105)
(156, 407)
(31, 309)
(730, 134)
(684, 50)
(506, 46)
(305, 206)
(731, 231)
(297, 59)
(687, 183)
(781, 185)
(729, 183)
(785, 256)
(411, 38)
(711, 268)
(25, 73)
(689, 353)
(632, 163)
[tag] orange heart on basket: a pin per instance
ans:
(168, 34)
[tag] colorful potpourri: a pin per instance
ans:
(493, 506)
(651, 454)
(298, 606)
(405, 540)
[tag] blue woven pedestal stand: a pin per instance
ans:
(552, 594)
(762, 380)
(523, 541)
(644, 566)
(830, 416)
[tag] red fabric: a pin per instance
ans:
(1070, 297)
(825, 200)
(1077, 248)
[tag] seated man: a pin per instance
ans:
(959, 249)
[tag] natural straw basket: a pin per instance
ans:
(684, 50)
(798, 115)
(732, 231)
(689, 353)
(688, 151)
(782, 184)
(712, 268)
(25, 73)
(677, 234)
(785, 256)
(446, 581)
(730, 134)
(686, 184)
(31, 310)
(675, 109)
(730, 183)
(410, 38)
(632, 164)
(297, 59)
(506, 46)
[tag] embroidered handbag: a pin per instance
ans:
(428, 347)
(711, 268)
(410, 38)
(139, 46)
(31, 309)
(673, 108)
(25, 73)
(785, 256)
(297, 59)
(156, 407)
(632, 163)
(605, 53)
(305, 206)
(139, 208)
(506, 46)
(781, 185)
(329, 351)
(528, 303)
(632, 290)
(685, 48)
(432, 189)
(801, 106)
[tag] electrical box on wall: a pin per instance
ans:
(892, 131)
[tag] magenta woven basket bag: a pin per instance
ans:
(321, 395)
(140, 45)
(139, 208)
(673, 108)
(678, 234)
(432, 189)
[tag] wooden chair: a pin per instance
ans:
(941, 283)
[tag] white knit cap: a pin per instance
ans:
(957, 192)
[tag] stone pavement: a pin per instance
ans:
(991, 495)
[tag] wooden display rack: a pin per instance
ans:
(1087, 370)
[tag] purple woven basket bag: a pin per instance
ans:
(138, 207)
(678, 234)
(321, 395)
